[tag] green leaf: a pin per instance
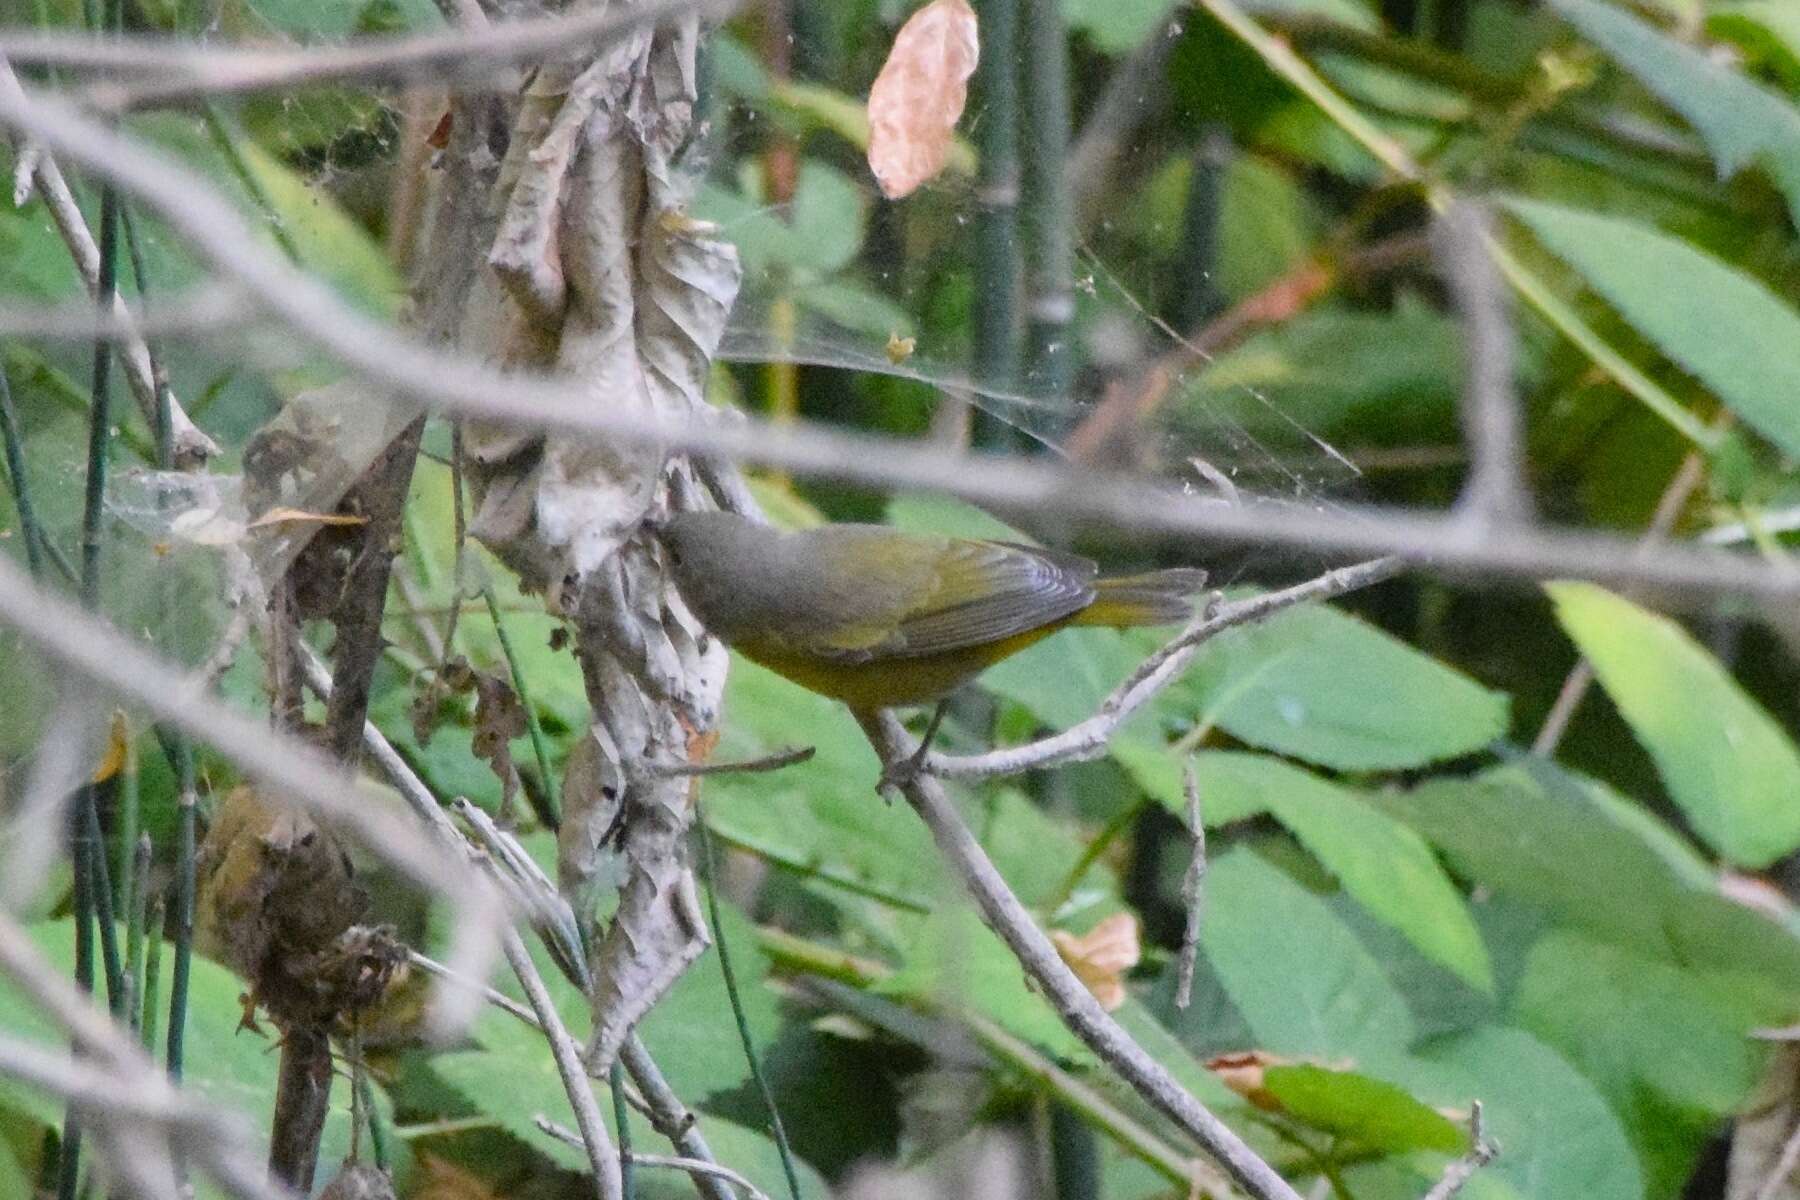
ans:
(1319, 685)
(1559, 1138)
(1622, 1017)
(1302, 980)
(820, 233)
(1118, 25)
(1729, 330)
(229, 1068)
(1741, 121)
(1364, 1111)
(1384, 865)
(1769, 30)
(1724, 759)
(1546, 840)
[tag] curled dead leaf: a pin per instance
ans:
(1243, 1073)
(1101, 956)
(919, 95)
(282, 516)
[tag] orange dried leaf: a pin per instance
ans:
(919, 94)
(1101, 956)
(278, 516)
(1243, 1073)
(118, 740)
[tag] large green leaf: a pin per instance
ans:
(1558, 1136)
(1382, 863)
(1322, 686)
(1725, 761)
(1728, 329)
(227, 1067)
(1363, 1111)
(1545, 839)
(1302, 980)
(1623, 1017)
(1741, 121)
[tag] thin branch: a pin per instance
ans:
(499, 1000)
(1495, 492)
(792, 756)
(599, 1147)
(1193, 890)
(1783, 1169)
(1061, 989)
(427, 374)
(451, 57)
(700, 1169)
(673, 1119)
(1089, 738)
(1482, 1151)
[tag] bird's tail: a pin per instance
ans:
(1154, 598)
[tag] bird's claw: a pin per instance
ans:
(899, 775)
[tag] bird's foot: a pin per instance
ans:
(899, 775)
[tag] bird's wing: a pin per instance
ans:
(981, 592)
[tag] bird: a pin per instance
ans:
(881, 618)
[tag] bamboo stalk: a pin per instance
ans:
(997, 271)
(1049, 213)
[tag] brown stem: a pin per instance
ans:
(302, 1100)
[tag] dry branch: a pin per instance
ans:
(469, 387)
(1003, 912)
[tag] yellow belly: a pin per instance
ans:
(889, 682)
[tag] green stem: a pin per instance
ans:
(149, 1008)
(222, 137)
(14, 441)
(622, 1118)
(68, 1171)
(137, 900)
(1050, 289)
(105, 915)
(997, 229)
(380, 1136)
(184, 909)
(128, 821)
(540, 747)
(737, 1009)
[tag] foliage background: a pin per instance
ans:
(1407, 910)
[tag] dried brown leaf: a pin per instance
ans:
(919, 95)
(1101, 956)
(281, 515)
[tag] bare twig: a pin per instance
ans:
(1089, 738)
(1003, 912)
(1193, 889)
(1783, 1169)
(465, 386)
(1495, 492)
(1482, 1151)
(700, 1169)
(600, 1151)
(196, 70)
(191, 445)
(208, 308)
(793, 756)
(499, 1000)
(673, 1119)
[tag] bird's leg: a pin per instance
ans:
(896, 775)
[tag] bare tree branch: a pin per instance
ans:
(427, 373)
(198, 70)
(1003, 912)
(1088, 739)
(1482, 1151)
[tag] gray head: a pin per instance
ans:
(723, 564)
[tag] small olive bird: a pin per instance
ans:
(879, 618)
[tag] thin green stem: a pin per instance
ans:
(100, 413)
(105, 915)
(68, 1169)
(31, 369)
(622, 1118)
(184, 908)
(997, 272)
(1049, 214)
(1090, 854)
(137, 900)
(540, 746)
(709, 870)
(222, 137)
(14, 440)
(381, 1147)
(127, 821)
(149, 1008)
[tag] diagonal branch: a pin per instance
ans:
(1003, 912)
(1088, 739)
